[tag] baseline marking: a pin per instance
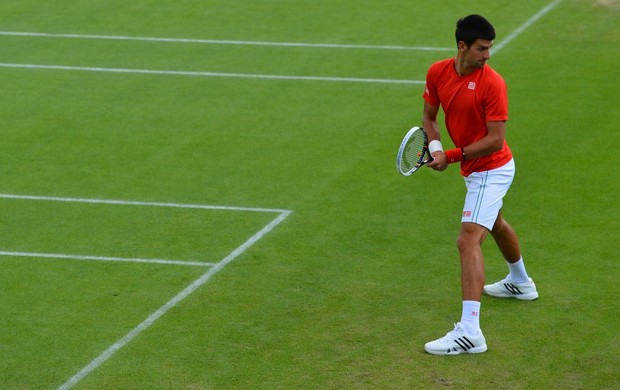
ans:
(105, 258)
(138, 203)
(210, 74)
(525, 25)
(225, 42)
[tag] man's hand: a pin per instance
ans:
(439, 163)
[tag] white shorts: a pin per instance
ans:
(485, 193)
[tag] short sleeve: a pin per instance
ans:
(430, 89)
(497, 101)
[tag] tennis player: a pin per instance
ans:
(475, 103)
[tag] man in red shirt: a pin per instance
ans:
(475, 103)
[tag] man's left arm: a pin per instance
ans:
(492, 142)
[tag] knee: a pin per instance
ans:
(470, 238)
(464, 242)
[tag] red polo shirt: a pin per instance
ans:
(469, 102)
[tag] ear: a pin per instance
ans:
(461, 46)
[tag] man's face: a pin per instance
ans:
(478, 53)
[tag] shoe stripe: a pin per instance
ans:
(514, 290)
(464, 343)
(463, 347)
(471, 345)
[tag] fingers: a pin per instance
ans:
(439, 162)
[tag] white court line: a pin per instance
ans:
(108, 353)
(220, 42)
(497, 48)
(123, 203)
(525, 26)
(210, 74)
(215, 267)
(139, 203)
(224, 42)
(104, 258)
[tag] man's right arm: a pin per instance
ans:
(429, 123)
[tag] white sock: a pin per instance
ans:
(517, 272)
(470, 319)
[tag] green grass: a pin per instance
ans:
(343, 293)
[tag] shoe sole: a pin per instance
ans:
(479, 349)
(522, 297)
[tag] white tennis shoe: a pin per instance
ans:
(456, 342)
(506, 288)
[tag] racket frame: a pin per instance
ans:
(425, 156)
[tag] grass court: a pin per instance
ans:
(203, 195)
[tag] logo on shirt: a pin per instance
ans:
(471, 85)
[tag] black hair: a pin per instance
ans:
(473, 27)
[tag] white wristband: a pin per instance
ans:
(435, 146)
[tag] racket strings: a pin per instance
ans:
(414, 152)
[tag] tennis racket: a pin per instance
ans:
(413, 151)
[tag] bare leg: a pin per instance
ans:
(506, 239)
(469, 243)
